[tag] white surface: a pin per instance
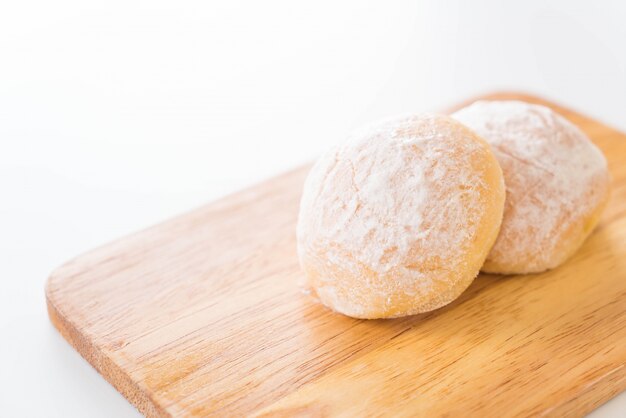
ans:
(115, 115)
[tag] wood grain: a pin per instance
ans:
(200, 316)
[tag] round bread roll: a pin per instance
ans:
(557, 183)
(399, 219)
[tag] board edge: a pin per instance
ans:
(100, 361)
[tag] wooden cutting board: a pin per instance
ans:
(200, 316)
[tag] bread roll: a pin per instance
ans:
(556, 179)
(399, 219)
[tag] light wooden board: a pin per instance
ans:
(200, 316)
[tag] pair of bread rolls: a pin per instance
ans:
(401, 218)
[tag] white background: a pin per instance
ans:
(115, 115)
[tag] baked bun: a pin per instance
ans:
(557, 183)
(399, 219)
